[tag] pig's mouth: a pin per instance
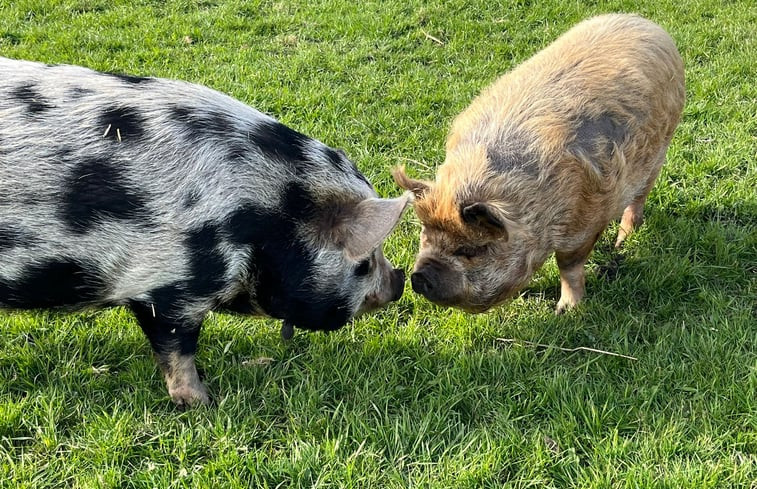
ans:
(465, 305)
(379, 299)
(504, 294)
(474, 308)
(330, 315)
(462, 296)
(446, 302)
(501, 295)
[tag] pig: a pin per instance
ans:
(174, 200)
(544, 159)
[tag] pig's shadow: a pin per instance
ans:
(356, 368)
(702, 249)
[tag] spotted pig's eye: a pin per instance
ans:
(363, 268)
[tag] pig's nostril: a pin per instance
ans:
(420, 283)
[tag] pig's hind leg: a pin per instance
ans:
(633, 215)
(173, 338)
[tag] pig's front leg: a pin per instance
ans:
(173, 338)
(572, 277)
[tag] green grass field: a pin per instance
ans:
(416, 395)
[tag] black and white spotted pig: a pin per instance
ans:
(175, 200)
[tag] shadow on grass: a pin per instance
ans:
(677, 300)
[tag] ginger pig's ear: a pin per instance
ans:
(484, 217)
(417, 187)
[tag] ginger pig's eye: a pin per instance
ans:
(469, 251)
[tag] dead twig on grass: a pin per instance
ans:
(570, 350)
(435, 39)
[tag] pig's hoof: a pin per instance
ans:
(564, 306)
(187, 396)
(287, 330)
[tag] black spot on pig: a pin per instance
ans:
(12, 236)
(96, 191)
(297, 202)
(130, 79)
(164, 322)
(238, 152)
(346, 164)
(34, 102)
(253, 224)
(336, 158)
(283, 264)
(206, 263)
(121, 124)
(279, 142)
(53, 284)
(341, 163)
(240, 304)
(602, 131)
(360, 176)
(199, 126)
(596, 139)
(181, 114)
(191, 198)
(512, 153)
(318, 311)
(504, 158)
(284, 287)
(76, 93)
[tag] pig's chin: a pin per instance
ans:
(311, 315)
(328, 319)
(500, 297)
(316, 324)
(457, 303)
(475, 308)
(470, 307)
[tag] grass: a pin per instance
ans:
(415, 395)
